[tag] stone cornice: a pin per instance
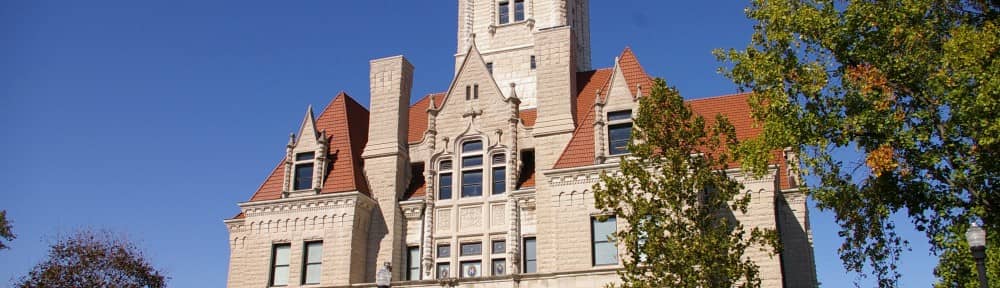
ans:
(306, 203)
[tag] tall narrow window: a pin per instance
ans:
(489, 67)
(280, 259)
(475, 88)
(472, 169)
(619, 131)
(444, 180)
(499, 174)
(413, 263)
(533, 64)
(504, 12)
(303, 170)
(313, 264)
(468, 93)
(530, 257)
(605, 252)
(518, 10)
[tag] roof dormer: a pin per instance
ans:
(305, 159)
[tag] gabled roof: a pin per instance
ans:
(346, 123)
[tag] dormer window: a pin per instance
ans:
(304, 170)
(619, 131)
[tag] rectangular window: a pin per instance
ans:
(499, 267)
(313, 264)
(443, 270)
(619, 131)
(533, 64)
(618, 135)
(475, 88)
(468, 93)
(472, 183)
(471, 269)
(413, 263)
(518, 10)
(604, 249)
(305, 156)
(489, 68)
(471, 249)
(303, 176)
(280, 259)
(530, 257)
(499, 180)
(499, 247)
(504, 12)
(472, 161)
(444, 186)
(444, 251)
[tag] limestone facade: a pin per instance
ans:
(485, 185)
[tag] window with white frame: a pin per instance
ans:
(503, 12)
(280, 259)
(518, 10)
(498, 262)
(444, 180)
(443, 268)
(472, 169)
(303, 173)
(313, 264)
(603, 246)
(530, 256)
(499, 174)
(619, 131)
(509, 11)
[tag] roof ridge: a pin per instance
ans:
(713, 97)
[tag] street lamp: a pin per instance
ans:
(977, 243)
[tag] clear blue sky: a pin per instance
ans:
(155, 118)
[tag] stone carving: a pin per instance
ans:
(443, 220)
(470, 219)
(497, 216)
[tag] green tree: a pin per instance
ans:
(6, 231)
(679, 202)
(911, 86)
(94, 259)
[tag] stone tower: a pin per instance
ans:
(506, 35)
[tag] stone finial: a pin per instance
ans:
(291, 139)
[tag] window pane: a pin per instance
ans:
(444, 186)
(304, 156)
(620, 115)
(499, 267)
(619, 135)
(472, 146)
(444, 251)
(504, 11)
(472, 161)
(313, 272)
(314, 252)
(281, 254)
(499, 180)
(443, 270)
(472, 249)
(530, 257)
(471, 269)
(472, 183)
(533, 65)
(499, 246)
(303, 176)
(518, 10)
(444, 166)
(499, 159)
(605, 251)
(280, 276)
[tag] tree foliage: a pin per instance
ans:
(6, 231)
(678, 201)
(912, 86)
(94, 259)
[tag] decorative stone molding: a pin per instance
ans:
(412, 210)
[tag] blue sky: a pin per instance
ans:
(156, 118)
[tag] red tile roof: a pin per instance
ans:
(418, 116)
(634, 74)
(528, 117)
(346, 123)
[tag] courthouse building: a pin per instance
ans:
(487, 184)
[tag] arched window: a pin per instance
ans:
(499, 173)
(444, 180)
(472, 169)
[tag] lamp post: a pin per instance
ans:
(977, 243)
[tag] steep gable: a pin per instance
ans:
(345, 122)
